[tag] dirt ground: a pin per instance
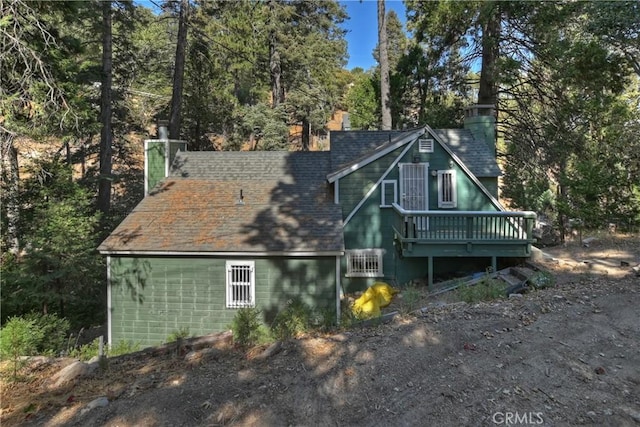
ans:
(562, 356)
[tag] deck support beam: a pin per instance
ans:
(494, 264)
(430, 272)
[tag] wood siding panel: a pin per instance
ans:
(371, 226)
(155, 297)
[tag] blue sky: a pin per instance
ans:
(362, 27)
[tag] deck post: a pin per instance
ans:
(430, 272)
(494, 264)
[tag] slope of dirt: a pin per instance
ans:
(568, 355)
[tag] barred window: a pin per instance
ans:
(241, 283)
(365, 263)
(447, 196)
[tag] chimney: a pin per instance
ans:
(480, 119)
(346, 121)
(158, 155)
(163, 129)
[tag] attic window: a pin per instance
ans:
(364, 263)
(425, 145)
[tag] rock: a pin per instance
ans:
(100, 402)
(600, 370)
(70, 373)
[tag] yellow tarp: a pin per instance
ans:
(376, 297)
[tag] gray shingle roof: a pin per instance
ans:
(287, 206)
(348, 147)
(474, 153)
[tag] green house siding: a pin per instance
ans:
(371, 225)
(155, 296)
(156, 159)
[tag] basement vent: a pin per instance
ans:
(425, 145)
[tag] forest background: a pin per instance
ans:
(83, 83)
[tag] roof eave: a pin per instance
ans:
(341, 173)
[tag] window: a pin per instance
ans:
(389, 193)
(425, 145)
(241, 284)
(447, 197)
(364, 263)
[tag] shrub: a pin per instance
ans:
(181, 334)
(123, 347)
(410, 299)
(247, 327)
(294, 320)
(542, 279)
(54, 332)
(88, 351)
(19, 337)
(486, 290)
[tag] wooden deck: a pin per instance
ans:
(463, 233)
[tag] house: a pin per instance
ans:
(220, 231)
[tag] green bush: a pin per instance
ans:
(181, 333)
(247, 328)
(410, 299)
(19, 337)
(294, 320)
(123, 347)
(88, 351)
(486, 290)
(54, 332)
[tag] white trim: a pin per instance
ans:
(146, 166)
(338, 291)
(225, 254)
(377, 184)
(109, 304)
(336, 192)
(383, 201)
(466, 170)
(410, 137)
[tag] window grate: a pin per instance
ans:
(447, 197)
(365, 263)
(240, 284)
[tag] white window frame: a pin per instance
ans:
(246, 287)
(384, 203)
(425, 145)
(365, 262)
(447, 189)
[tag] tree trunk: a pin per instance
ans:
(178, 73)
(275, 66)
(11, 177)
(306, 134)
(106, 135)
(383, 54)
(487, 93)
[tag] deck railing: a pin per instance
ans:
(463, 226)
